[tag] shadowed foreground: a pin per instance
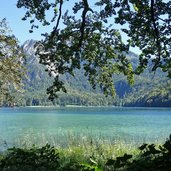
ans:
(148, 157)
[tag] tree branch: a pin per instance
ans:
(86, 9)
(58, 20)
(156, 31)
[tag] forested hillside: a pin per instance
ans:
(150, 89)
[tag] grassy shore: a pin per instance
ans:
(86, 152)
(88, 155)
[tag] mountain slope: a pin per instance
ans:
(147, 91)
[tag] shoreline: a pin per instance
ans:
(80, 106)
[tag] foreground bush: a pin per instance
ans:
(34, 159)
(47, 158)
(150, 158)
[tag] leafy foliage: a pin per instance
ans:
(37, 159)
(11, 68)
(149, 158)
(88, 38)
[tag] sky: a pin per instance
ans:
(19, 28)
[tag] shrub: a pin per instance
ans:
(150, 158)
(34, 159)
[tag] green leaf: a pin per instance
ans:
(135, 8)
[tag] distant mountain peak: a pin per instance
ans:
(29, 50)
(28, 47)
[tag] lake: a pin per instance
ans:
(28, 125)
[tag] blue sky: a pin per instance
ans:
(19, 28)
(13, 15)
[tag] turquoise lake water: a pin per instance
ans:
(20, 126)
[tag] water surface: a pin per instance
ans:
(58, 125)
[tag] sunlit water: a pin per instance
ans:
(20, 126)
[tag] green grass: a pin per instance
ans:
(88, 155)
(95, 152)
(79, 153)
(81, 149)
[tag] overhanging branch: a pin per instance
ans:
(156, 32)
(58, 20)
(83, 24)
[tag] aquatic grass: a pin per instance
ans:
(66, 139)
(148, 157)
(80, 150)
(84, 148)
(78, 147)
(70, 138)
